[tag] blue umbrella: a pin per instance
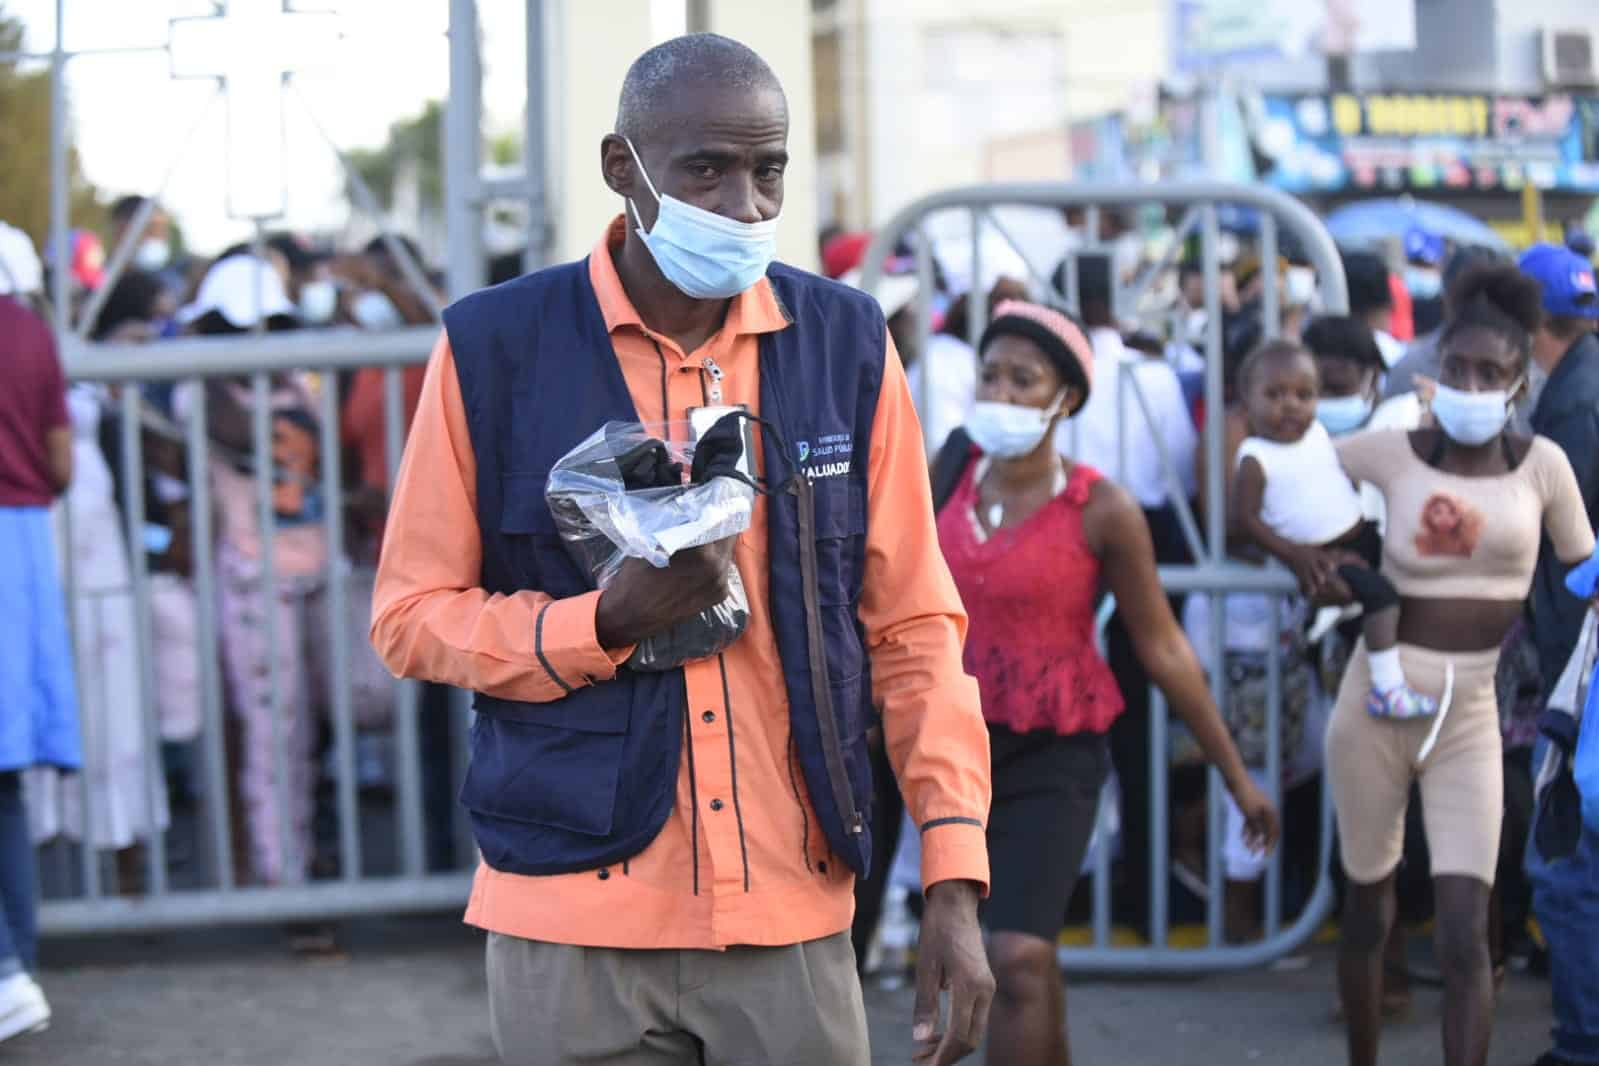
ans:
(1373, 221)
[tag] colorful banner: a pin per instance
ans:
(1427, 141)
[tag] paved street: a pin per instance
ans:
(410, 993)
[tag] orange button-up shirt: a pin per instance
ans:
(741, 860)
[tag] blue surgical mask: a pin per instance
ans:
(706, 255)
(1472, 418)
(375, 311)
(1343, 414)
(1424, 284)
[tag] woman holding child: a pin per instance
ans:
(1467, 503)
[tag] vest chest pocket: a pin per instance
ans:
(532, 544)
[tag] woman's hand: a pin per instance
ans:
(1261, 826)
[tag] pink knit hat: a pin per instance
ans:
(1061, 339)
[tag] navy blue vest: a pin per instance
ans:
(589, 780)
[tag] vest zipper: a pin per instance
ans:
(821, 687)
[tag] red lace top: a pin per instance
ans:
(1030, 593)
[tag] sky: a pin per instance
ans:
(132, 119)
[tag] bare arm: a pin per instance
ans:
(1310, 565)
(1120, 537)
(58, 449)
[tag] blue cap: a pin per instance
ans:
(1567, 280)
(1423, 247)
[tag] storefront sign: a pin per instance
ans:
(1413, 141)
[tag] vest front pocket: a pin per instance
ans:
(555, 764)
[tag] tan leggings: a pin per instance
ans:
(1372, 762)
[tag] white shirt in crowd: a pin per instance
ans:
(1308, 497)
(1092, 437)
(953, 383)
(1391, 347)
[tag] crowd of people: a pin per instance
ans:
(1426, 466)
(1415, 659)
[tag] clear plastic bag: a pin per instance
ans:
(624, 493)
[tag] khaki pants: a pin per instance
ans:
(559, 1005)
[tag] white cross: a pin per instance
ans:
(251, 47)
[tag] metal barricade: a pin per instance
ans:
(382, 867)
(1212, 574)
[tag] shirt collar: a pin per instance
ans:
(755, 310)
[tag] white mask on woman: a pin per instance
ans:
(1472, 418)
(1009, 430)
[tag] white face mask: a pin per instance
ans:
(152, 254)
(1299, 286)
(1472, 418)
(318, 301)
(375, 311)
(1010, 431)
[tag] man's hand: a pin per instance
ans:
(951, 957)
(645, 600)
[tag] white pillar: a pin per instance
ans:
(591, 45)
(780, 31)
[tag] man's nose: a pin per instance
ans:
(738, 198)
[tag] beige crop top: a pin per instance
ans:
(1474, 538)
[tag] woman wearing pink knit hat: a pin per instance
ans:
(1032, 539)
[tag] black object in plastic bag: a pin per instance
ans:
(621, 494)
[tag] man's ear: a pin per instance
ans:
(617, 166)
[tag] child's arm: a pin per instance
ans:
(1312, 566)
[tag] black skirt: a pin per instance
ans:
(1046, 794)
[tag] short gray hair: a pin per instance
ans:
(694, 59)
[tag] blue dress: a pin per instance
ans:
(38, 693)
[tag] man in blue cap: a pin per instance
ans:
(1424, 255)
(1566, 888)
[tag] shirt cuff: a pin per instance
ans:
(955, 849)
(567, 647)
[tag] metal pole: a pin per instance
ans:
(339, 652)
(205, 598)
(60, 250)
(1269, 303)
(408, 753)
(1102, 873)
(1159, 829)
(150, 753)
(1274, 766)
(977, 299)
(463, 152)
(535, 142)
(266, 516)
(924, 329)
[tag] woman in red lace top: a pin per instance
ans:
(1032, 539)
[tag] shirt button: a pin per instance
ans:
(605, 875)
(708, 717)
(716, 805)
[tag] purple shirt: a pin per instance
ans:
(33, 401)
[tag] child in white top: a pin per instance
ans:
(1292, 498)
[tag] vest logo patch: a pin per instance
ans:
(832, 455)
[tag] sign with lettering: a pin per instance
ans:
(1434, 141)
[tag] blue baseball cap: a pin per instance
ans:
(1423, 247)
(1567, 280)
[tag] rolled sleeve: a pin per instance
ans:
(567, 647)
(915, 627)
(954, 849)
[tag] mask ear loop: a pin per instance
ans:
(647, 182)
